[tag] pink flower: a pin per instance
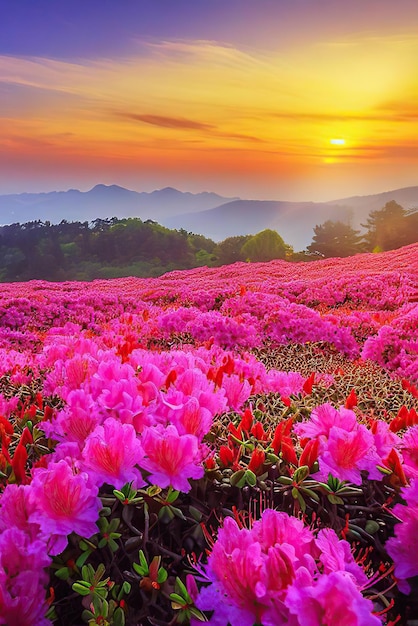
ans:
(22, 579)
(63, 503)
(237, 391)
(323, 418)
(171, 458)
(74, 423)
(275, 528)
(285, 383)
(345, 454)
(260, 576)
(332, 599)
(403, 547)
(336, 556)
(15, 509)
(384, 439)
(111, 454)
(409, 447)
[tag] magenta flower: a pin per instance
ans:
(76, 421)
(323, 418)
(63, 503)
(345, 454)
(332, 599)
(285, 383)
(237, 391)
(275, 528)
(259, 576)
(16, 508)
(171, 458)
(384, 438)
(22, 579)
(409, 448)
(336, 556)
(403, 547)
(111, 454)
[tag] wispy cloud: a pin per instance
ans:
(167, 122)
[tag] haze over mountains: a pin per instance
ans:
(204, 213)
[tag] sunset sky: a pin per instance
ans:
(269, 99)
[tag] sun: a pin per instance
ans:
(337, 142)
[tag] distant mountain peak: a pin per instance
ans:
(106, 188)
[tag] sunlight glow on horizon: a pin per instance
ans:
(207, 110)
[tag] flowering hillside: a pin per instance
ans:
(235, 445)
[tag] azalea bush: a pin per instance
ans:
(235, 446)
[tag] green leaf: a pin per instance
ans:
(177, 512)
(81, 589)
(301, 473)
(83, 558)
(335, 499)
(113, 545)
(310, 493)
(285, 480)
(63, 573)
(238, 478)
(87, 573)
(166, 513)
(87, 615)
(126, 588)
(142, 571)
(198, 614)
(195, 513)
(105, 512)
(175, 597)
(250, 478)
(172, 496)
(119, 617)
(143, 561)
(182, 590)
(114, 525)
(162, 575)
(371, 527)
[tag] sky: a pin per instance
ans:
(266, 99)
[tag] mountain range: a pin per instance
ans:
(204, 213)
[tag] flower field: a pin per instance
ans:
(235, 445)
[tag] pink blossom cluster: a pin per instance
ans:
(245, 305)
(395, 346)
(279, 572)
(403, 547)
(346, 448)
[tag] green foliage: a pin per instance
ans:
(391, 227)
(230, 250)
(265, 246)
(335, 239)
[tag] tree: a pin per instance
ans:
(335, 239)
(387, 228)
(229, 250)
(264, 246)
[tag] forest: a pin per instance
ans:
(113, 248)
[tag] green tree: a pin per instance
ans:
(264, 246)
(229, 250)
(387, 228)
(335, 239)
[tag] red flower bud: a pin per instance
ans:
(351, 400)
